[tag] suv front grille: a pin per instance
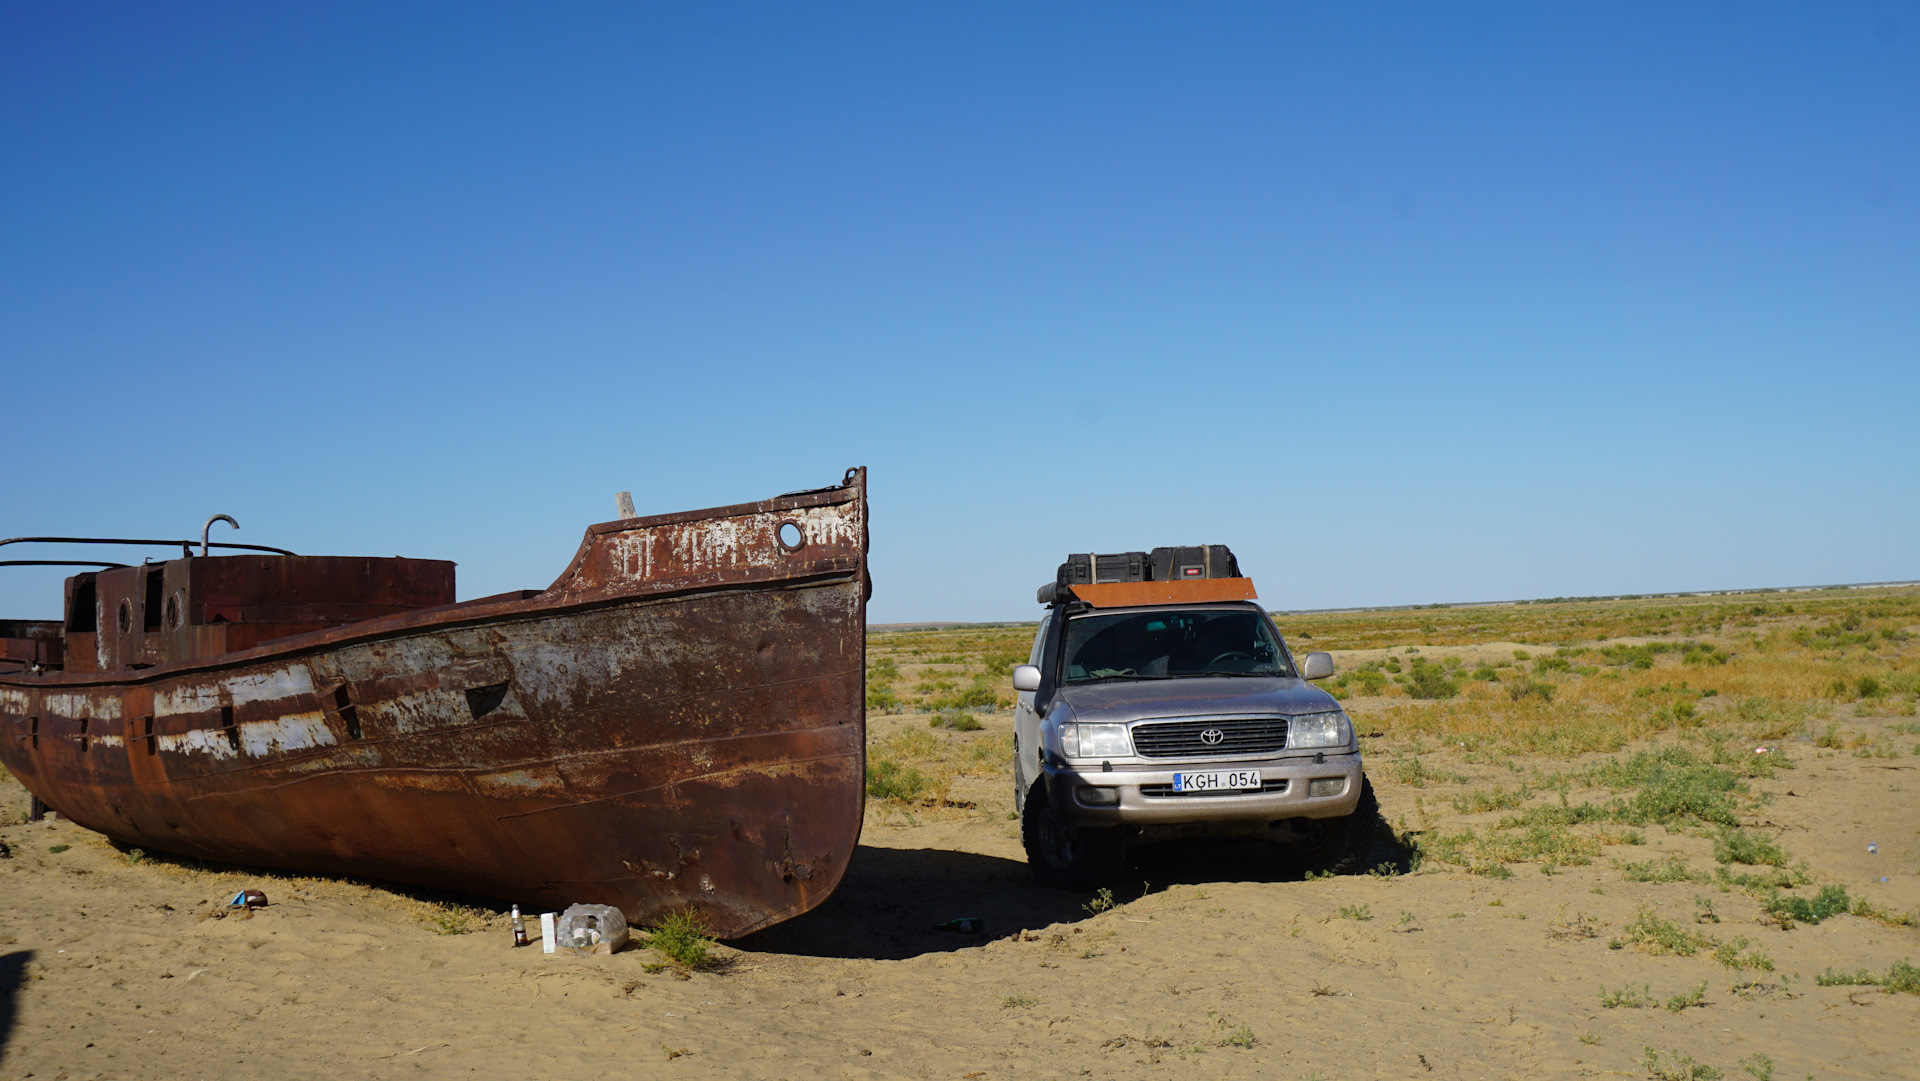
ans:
(1187, 739)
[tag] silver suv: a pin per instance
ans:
(1152, 722)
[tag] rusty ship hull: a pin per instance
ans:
(678, 721)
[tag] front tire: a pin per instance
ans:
(1340, 845)
(1065, 857)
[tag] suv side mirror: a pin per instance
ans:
(1317, 666)
(1026, 677)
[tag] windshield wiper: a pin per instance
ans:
(1103, 679)
(1259, 675)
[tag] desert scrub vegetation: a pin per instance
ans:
(453, 919)
(682, 941)
(1684, 789)
(1769, 664)
(1878, 617)
(920, 765)
(931, 670)
(1724, 679)
(1900, 977)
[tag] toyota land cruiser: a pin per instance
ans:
(1160, 702)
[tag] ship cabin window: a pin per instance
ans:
(156, 597)
(84, 616)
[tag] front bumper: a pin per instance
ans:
(1139, 805)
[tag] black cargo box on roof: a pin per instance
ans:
(1198, 561)
(1162, 565)
(1082, 569)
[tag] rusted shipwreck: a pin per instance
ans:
(678, 720)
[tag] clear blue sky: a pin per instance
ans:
(1407, 303)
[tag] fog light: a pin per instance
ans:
(1326, 786)
(1098, 795)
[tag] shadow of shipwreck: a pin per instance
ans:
(889, 905)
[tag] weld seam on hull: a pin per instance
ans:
(468, 773)
(669, 784)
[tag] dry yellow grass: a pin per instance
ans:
(1767, 664)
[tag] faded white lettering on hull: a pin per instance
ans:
(207, 741)
(76, 706)
(274, 686)
(186, 699)
(294, 732)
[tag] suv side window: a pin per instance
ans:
(1039, 639)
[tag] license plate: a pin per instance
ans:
(1222, 780)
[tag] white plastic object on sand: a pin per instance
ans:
(584, 930)
(546, 932)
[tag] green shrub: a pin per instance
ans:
(682, 938)
(1239, 1037)
(1662, 936)
(978, 694)
(1371, 681)
(1830, 901)
(1868, 910)
(1636, 656)
(1700, 653)
(1683, 1068)
(1736, 955)
(1765, 882)
(1695, 997)
(1522, 687)
(1739, 846)
(1901, 977)
(455, 920)
(1673, 869)
(1430, 681)
(1673, 786)
(1498, 799)
(957, 720)
(1630, 997)
(887, 779)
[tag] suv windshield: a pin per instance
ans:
(1164, 645)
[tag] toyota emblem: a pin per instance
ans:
(1212, 736)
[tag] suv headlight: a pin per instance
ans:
(1095, 741)
(1319, 730)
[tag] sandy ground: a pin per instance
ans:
(108, 972)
